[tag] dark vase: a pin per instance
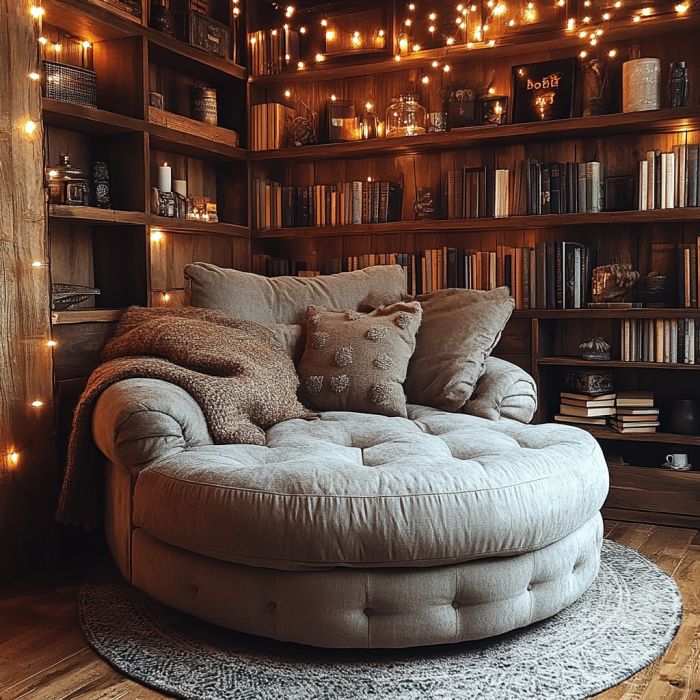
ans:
(685, 417)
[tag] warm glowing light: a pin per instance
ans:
(582, 35)
(86, 44)
(287, 93)
(302, 30)
(450, 41)
(501, 9)
(51, 343)
(397, 58)
(324, 22)
(253, 40)
(34, 75)
(57, 47)
(446, 68)
(301, 65)
(412, 7)
(334, 98)
(274, 32)
(330, 35)
(586, 20)
(432, 16)
(492, 42)
(290, 11)
(492, 91)
(637, 18)
(617, 5)
(165, 297)
(381, 32)
(53, 174)
(319, 58)
(682, 8)
(407, 22)
(612, 53)
(156, 236)
(561, 3)
(416, 47)
(511, 22)
(570, 24)
(30, 127)
(13, 458)
(435, 64)
(646, 11)
(594, 41)
(599, 32)
(425, 80)
(43, 40)
(583, 54)
(356, 39)
(606, 16)
(431, 28)
(36, 12)
(37, 404)
(38, 263)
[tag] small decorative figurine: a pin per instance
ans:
(100, 178)
(595, 348)
(303, 129)
(678, 84)
(615, 282)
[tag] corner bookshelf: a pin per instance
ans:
(542, 341)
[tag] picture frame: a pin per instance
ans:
(544, 91)
(342, 121)
(493, 110)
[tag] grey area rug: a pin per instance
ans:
(623, 622)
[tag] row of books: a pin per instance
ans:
(624, 412)
(668, 340)
(563, 188)
(272, 50)
(669, 180)
(268, 124)
(355, 202)
(475, 193)
(273, 266)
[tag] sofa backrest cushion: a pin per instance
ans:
(284, 300)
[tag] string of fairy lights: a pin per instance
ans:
(482, 25)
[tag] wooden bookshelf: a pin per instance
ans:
(579, 362)
(666, 438)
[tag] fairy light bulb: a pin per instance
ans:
(446, 68)
(583, 54)
(36, 11)
(586, 20)
(253, 40)
(431, 29)
(37, 404)
(156, 236)
(617, 5)
(43, 40)
(561, 3)
(324, 22)
(38, 263)
(511, 22)
(30, 127)
(450, 41)
(425, 80)
(492, 91)
(86, 44)
(612, 53)
(34, 75)
(397, 58)
(334, 98)
(287, 93)
(356, 40)
(606, 16)
(290, 11)
(407, 23)
(636, 19)
(330, 35)
(381, 32)
(301, 65)
(51, 343)
(319, 58)
(57, 47)
(13, 458)
(682, 8)
(435, 64)
(416, 47)
(432, 16)
(165, 297)
(302, 30)
(594, 41)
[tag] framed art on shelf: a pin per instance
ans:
(544, 91)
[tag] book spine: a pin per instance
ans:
(581, 181)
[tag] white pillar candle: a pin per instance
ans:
(180, 186)
(165, 178)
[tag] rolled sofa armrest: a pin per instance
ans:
(139, 421)
(503, 391)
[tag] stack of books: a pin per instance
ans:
(667, 340)
(669, 180)
(563, 188)
(371, 202)
(475, 193)
(273, 50)
(585, 410)
(268, 125)
(635, 412)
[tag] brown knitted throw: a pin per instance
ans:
(234, 369)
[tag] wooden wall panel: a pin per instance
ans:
(27, 485)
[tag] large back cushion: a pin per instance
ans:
(284, 300)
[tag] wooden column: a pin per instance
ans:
(28, 475)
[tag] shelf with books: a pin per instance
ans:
(567, 361)
(535, 42)
(658, 121)
(678, 215)
(573, 314)
(666, 438)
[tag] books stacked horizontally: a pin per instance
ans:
(273, 50)
(667, 340)
(563, 188)
(585, 410)
(268, 125)
(635, 412)
(475, 193)
(669, 180)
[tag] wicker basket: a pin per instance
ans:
(70, 84)
(63, 296)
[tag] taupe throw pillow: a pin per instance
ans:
(357, 362)
(460, 329)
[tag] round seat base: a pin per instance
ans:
(384, 608)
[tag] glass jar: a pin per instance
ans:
(405, 116)
(67, 184)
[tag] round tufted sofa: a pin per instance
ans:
(355, 530)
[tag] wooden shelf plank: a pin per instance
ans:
(545, 314)
(670, 438)
(86, 316)
(659, 121)
(503, 224)
(188, 144)
(88, 120)
(579, 362)
(517, 45)
(198, 227)
(95, 215)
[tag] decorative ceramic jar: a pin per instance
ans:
(406, 116)
(641, 78)
(67, 184)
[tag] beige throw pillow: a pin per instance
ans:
(357, 362)
(460, 329)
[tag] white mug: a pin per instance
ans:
(677, 460)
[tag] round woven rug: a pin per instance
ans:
(623, 622)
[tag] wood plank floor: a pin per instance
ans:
(43, 654)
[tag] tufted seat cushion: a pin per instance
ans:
(355, 490)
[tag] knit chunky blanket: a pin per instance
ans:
(234, 369)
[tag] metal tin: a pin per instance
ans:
(204, 105)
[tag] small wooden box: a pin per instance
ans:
(205, 33)
(589, 381)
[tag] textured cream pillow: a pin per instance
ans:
(358, 362)
(460, 329)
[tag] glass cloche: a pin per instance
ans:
(406, 116)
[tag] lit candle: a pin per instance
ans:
(180, 186)
(165, 178)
